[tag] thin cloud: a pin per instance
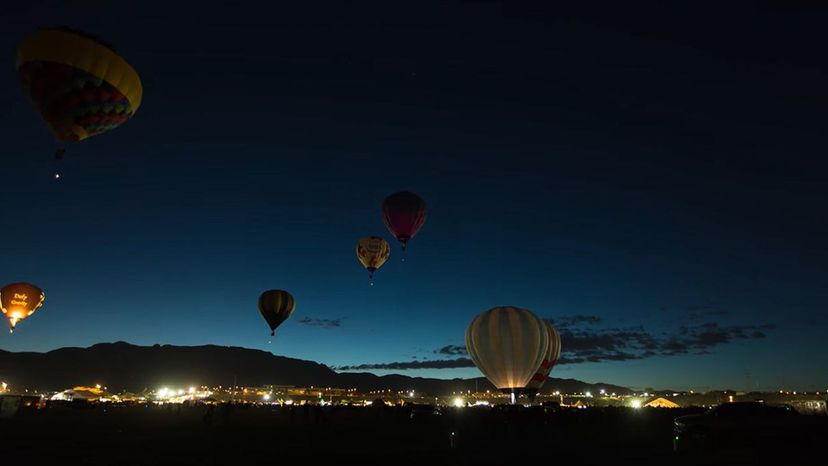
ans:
(452, 350)
(324, 323)
(409, 365)
(582, 341)
(577, 319)
(620, 344)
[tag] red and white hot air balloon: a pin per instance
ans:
(553, 353)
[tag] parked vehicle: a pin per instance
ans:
(17, 405)
(424, 412)
(739, 425)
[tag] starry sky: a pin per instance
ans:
(651, 180)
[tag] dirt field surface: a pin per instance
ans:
(182, 435)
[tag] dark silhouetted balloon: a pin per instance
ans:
(404, 214)
(20, 300)
(276, 306)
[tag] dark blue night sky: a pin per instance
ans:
(653, 181)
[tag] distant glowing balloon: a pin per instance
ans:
(20, 300)
(404, 213)
(80, 86)
(276, 306)
(553, 353)
(372, 252)
(508, 345)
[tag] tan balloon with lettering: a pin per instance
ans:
(20, 300)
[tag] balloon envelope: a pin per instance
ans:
(20, 300)
(276, 306)
(404, 213)
(80, 86)
(372, 252)
(508, 345)
(553, 353)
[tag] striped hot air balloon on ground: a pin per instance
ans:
(80, 86)
(553, 353)
(20, 300)
(508, 345)
(276, 306)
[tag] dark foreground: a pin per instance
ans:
(173, 435)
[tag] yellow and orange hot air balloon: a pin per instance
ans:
(508, 345)
(372, 252)
(20, 300)
(80, 86)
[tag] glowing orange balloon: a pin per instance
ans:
(20, 300)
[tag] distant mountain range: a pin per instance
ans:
(123, 366)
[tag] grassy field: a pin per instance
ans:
(173, 435)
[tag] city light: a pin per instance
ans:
(266, 397)
(191, 390)
(603, 392)
(458, 402)
(635, 404)
(588, 394)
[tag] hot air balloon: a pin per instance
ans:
(508, 345)
(403, 213)
(80, 86)
(549, 361)
(20, 300)
(372, 252)
(276, 306)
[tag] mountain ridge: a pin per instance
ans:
(124, 366)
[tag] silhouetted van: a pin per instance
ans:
(754, 425)
(17, 405)
(424, 413)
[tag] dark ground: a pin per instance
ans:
(171, 435)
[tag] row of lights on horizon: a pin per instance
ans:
(166, 392)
